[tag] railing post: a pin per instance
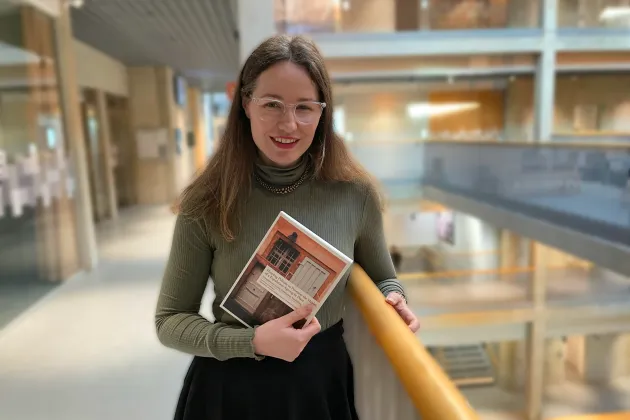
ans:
(535, 335)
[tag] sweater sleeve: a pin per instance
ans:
(178, 322)
(371, 250)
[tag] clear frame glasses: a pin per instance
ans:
(273, 110)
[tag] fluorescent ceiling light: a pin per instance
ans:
(425, 109)
(610, 13)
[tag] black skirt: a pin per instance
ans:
(318, 385)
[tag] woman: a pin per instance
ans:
(278, 152)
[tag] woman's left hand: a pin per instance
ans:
(398, 302)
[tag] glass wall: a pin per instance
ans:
(38, 246)
(386, 124)
(594, 14)
(299, 16)
(593, 105)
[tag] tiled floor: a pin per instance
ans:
(88, 350)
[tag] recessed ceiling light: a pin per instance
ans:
(610, 13)
(75, 3)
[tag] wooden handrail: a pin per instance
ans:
(433, 394)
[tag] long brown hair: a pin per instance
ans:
(215, 195)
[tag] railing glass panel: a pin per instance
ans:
(582, 187)
(351, 16)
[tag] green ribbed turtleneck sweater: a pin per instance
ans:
(346, 215)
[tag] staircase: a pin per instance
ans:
(467, 365)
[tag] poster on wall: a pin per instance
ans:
(446, 227)
(151, 143)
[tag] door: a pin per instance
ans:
(310, 277)
(251, 294)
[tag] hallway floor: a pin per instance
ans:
(88, 351)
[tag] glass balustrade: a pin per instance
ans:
(361, 16)
(585, 188)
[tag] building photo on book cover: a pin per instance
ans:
(290, 268)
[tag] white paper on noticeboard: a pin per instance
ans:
(53, 176)
(150, 143)
(70, 187)
(17, 206)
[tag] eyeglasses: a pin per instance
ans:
(272, 110)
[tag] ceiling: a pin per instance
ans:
(197, 38)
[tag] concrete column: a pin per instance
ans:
(198, 125)
(256, 23)
(546, 74)
(535, 337)
(105, 142)
(507, 365)
(575, 354)
(510, 250)
(555, 361)
(86, 235)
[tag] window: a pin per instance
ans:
(283, 255)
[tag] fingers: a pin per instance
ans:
(297, 315)
(407, 315)
(410, 318)
(414, 325)
(395, 299)
(311, 329)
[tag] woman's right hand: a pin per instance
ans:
(278, 338)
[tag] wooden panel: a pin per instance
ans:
(488, 115)
(592, 58)
(407, 15)
(125, 151)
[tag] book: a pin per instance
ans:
(290, 268)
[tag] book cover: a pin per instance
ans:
(290, 268)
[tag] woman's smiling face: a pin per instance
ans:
(282, 138)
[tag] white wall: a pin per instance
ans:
(607, 357)
(408, 228)
(476, 245)
(256, 22)
(97, 70)
(377, 128)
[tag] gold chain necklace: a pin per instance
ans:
(286, 189)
